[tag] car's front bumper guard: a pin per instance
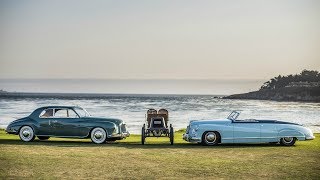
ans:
(120, 135)
(189, 138)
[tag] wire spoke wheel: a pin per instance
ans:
(143, 134)
(171, 135)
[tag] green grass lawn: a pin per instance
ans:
(73, 158)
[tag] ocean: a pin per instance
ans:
(133, 86)
(132, 98)
(182, 109)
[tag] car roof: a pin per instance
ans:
(40, 109)
(62, 107)
(46, 107)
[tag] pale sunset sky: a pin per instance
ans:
(162, 39)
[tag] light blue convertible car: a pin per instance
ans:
(232, 130)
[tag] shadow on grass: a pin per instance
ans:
(129, 145)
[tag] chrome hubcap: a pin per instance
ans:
(288, 139)
(26, 133)
(210, 137)
(98, 135)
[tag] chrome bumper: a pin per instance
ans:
(120, 135)
(188, 138)
(310, 138)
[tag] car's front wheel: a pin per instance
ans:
(210, 138)
(288, 141)
(98, 135)
(26, 134)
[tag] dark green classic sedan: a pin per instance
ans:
(67, 122)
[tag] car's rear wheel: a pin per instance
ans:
(171, 134)
(43, 137)
(98, 135)
(210, 138)
(26, 134)
(288, 141)
(143, 134)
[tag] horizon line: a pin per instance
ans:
(252, 79)
(112, 94)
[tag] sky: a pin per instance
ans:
(182, 39)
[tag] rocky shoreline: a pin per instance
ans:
(302, 94)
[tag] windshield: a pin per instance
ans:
(234, 115)
(82, 112)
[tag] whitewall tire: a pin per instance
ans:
(26, 134)
(98, 135)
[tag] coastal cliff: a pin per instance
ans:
(283, 94)
(300, 87)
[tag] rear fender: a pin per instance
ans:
(291, 133)
(15, 126)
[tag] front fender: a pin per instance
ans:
(110, 127)
(225, 131)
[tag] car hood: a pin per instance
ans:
(102, 119)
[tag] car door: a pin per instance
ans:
(45, 118)
(269, 132)
(65, 122)
(246, 131)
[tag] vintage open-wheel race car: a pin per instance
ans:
(157, 125)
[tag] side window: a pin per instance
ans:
(72, 114)
(60, 113)
(46, 113)
(65, 113)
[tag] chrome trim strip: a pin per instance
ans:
(63, 136)
(244, 138)
(259, 137)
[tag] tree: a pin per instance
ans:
(283, 81)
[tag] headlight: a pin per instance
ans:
(116, 129)
(193, 130)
